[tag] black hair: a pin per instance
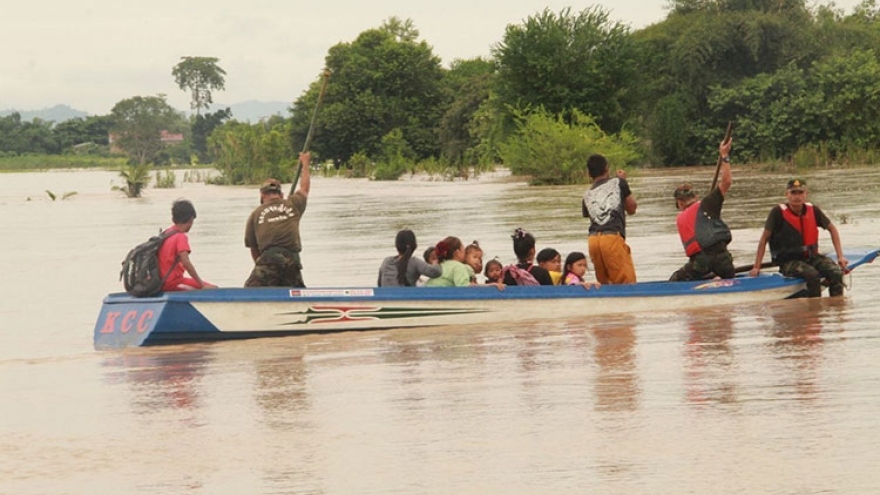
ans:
(684, 191)
(490, 263)
(546, 254)
(596, 165)
(523, 242)
(182, 211)
(405, 242)
(428, 252)
(572, 258)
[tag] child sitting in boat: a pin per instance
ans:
(550, 260)
(430, 258)
(493, 271)
(404, 270)
(574, 270)
(174, 253)
(450, 252)
(473, 258)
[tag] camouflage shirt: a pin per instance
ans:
(276, 224)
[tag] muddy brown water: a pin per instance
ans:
(780, 398)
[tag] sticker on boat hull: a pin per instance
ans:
(331, 292)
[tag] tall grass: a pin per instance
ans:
(166, 179)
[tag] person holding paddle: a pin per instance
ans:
(792, 229)
(703, 233)
(272, 233)
(607, 203)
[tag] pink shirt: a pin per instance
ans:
(167, 254)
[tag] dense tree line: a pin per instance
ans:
(19, 137)
(791, 76)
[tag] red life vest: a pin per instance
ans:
(697, 231)
(806, 226)
(798, 236)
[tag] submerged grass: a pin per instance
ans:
(30, 163)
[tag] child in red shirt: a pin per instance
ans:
(174, 253)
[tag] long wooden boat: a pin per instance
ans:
(238, 313)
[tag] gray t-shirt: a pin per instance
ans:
(415, 268)
(603, 204)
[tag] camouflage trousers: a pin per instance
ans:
(813, 270)
(276, 267)
(702, 265)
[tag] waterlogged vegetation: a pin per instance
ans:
(166, 179)
(800, 82)
(135, 178)
(64, 196)
(48, 162)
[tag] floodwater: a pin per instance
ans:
(779, 398)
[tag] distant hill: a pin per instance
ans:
(253, 111)
(57, 114)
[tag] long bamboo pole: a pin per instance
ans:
(311, 130)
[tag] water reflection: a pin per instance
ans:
(282, 391)
(616, 385)
(799, 330)
(709, 360)
(160, 380)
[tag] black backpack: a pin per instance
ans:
(140, 268)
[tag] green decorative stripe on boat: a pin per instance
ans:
(331, 313)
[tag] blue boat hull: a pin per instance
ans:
(236, 313)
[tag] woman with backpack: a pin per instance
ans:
(524, 272)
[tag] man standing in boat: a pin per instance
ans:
(793, 232)
(272, 233)
(607, 203)
(703, 233)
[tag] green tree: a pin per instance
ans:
(383, 80)
(202, 126)
(200, 76)
(92, 129)
(468, 86)
(703, 45)
(393, 157)
(138, 123)
(554, 151)
(249, 153)
(567, 61)
(836, 102)
(19, 137)
(849, 86)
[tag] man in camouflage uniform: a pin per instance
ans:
(703, 233)
(272, 233)
(793, 232)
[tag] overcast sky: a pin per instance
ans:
(90, 54)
